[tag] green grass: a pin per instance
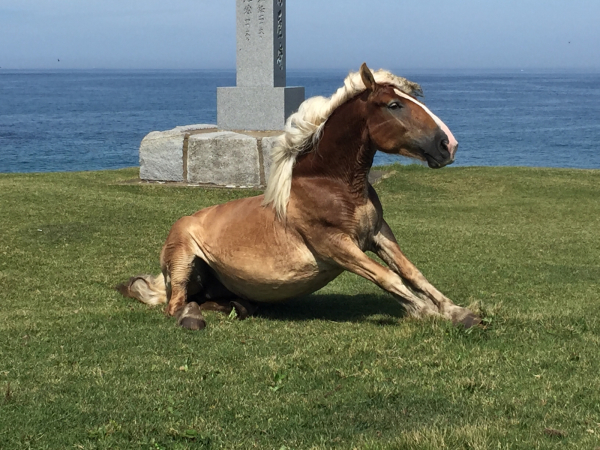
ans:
(82, 367)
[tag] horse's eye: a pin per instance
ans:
(395, 105)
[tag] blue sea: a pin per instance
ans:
(92, 120)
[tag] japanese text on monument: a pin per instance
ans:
(255, 23)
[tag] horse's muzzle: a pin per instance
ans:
(441, 153)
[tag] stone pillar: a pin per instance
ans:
(261, 100)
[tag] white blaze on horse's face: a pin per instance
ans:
(452, 142)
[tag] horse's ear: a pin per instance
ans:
(367, 77)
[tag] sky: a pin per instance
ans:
(321, 34)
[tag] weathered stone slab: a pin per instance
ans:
(161, 153)
(223, 158)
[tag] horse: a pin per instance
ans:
(317, 218)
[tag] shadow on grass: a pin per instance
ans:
(380, 309)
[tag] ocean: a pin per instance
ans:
(96, 119)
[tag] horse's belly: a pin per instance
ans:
(255, 256)
(270, 280)
(272, 291)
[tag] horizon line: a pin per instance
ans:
(311, 69)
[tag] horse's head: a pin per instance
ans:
(400, 124)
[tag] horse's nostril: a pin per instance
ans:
(444, 144)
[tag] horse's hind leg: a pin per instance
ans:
(177, 269)
(243, 308)
(186, 284)
(216, 297)
(184, 272)
(193, 288)
(191, 285)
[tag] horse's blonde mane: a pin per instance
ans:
(303, 130)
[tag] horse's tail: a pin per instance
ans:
(148, 289)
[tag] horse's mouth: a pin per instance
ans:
(435, 164)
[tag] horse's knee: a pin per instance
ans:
(191, 317)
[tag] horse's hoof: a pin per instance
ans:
(468, 321)
(192, 323)
(191, 318)
(243, 308)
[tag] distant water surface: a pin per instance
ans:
(91, 120)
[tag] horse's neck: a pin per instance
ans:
(344, 152)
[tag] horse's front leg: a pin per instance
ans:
(344, 252)
(386, 247)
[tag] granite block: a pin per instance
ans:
(256, 108)
(161, 153)
(223, 158)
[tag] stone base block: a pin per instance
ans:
(223, 158)
(161, 153)
(256, 108)
(202, 154)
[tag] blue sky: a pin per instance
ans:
(200, 34)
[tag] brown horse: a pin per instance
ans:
(318, 217)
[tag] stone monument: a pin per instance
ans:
(250, 116)
(261, 100)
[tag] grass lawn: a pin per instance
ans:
(83, 368)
